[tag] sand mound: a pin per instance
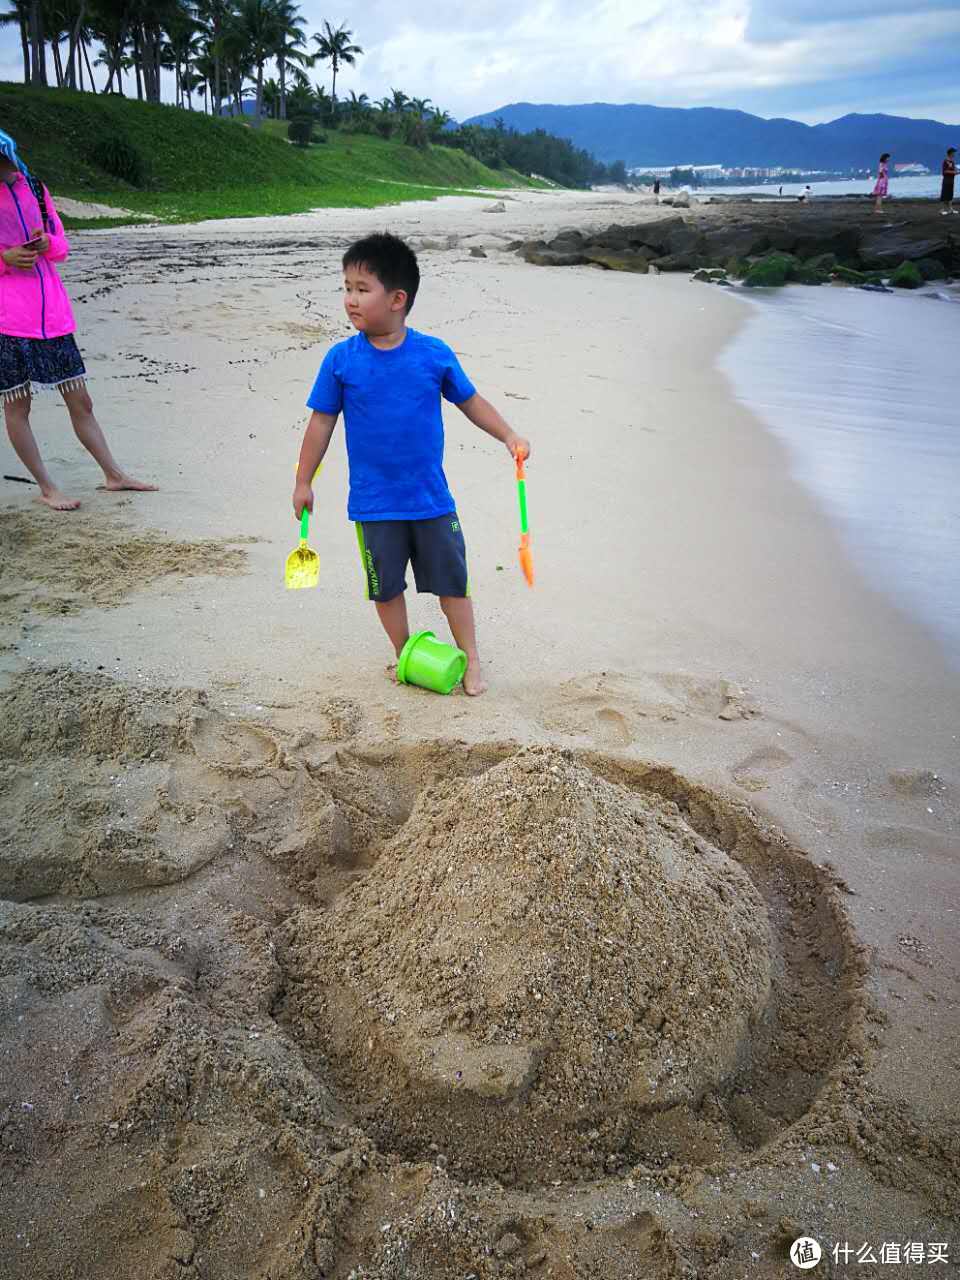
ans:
(541, 936)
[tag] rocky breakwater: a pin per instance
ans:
(766, 248)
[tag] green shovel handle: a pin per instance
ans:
(304, 524)
(522, 497)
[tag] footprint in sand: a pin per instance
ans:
(751, 772)
(612, 728)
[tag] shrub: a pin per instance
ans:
(300, 131)
(120, 158)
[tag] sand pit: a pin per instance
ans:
(333, 1008)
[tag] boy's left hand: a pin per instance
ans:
(41, 240)
(517, 444)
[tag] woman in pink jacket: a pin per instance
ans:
(37, 347)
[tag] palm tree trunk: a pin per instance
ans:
(256, 115)
(136, 63)
(74, 41)
(38, 49)
(57, 62)
(25, 43)
(282, 70)
(86, 58)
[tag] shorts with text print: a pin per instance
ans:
(435, 548)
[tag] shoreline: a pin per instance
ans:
(695, 614)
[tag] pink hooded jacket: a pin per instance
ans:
(34, 303)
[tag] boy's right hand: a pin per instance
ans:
(20, 257)
(302, 497)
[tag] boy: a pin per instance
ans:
(387, 380)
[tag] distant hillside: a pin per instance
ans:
(641, 135)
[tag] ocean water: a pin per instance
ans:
(863, 391)
(910, 188)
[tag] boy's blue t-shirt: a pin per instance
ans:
(390, 402)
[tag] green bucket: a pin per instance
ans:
(428, 662)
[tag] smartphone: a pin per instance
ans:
(33, 244)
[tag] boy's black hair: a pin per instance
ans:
(391, 260)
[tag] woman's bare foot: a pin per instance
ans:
(122, 481)
(473, 681)
(58, 501)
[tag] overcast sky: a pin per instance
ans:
(811, 60)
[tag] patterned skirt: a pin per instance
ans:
(37, 364)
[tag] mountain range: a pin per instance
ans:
(657, 136)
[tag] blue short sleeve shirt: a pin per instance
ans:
(390, 402)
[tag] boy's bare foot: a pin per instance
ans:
(122, 481)
(58, 501)
(473, 682)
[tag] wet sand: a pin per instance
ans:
(201, 772)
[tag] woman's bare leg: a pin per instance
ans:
(17, 415)
(80, 407)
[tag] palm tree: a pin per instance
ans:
(260, 26)
(419, 106)
(333, 46)
(19, 16)
(290, 49)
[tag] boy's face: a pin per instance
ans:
(370, 307)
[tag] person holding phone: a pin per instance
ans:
(37, 346)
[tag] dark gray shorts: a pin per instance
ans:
(435, 548)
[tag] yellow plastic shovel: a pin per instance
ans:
(303, 564)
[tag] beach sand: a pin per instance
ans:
(643, 964)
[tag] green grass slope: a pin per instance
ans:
(198, 167)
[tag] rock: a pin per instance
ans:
(889, 245)
(477, 252)
(771, 271)
(849, 276)
(820, 237)
(874, 288)
(679, 200)
(626, 261)
(805, 274)
(722, 243)
(677, 262)
(822, 262)
(653, 235)
(907, 276)
(931, 269)
(499, 207)
(736, 267)
(547, 258)
(567, 240)
(715, 276)
(684, 240)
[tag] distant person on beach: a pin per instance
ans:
(805, 194)
(37, 346)
(882, 184)
(387, 381)
(949, 171)
(779, 191)
(656, 189)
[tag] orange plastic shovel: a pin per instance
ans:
(526, 555)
